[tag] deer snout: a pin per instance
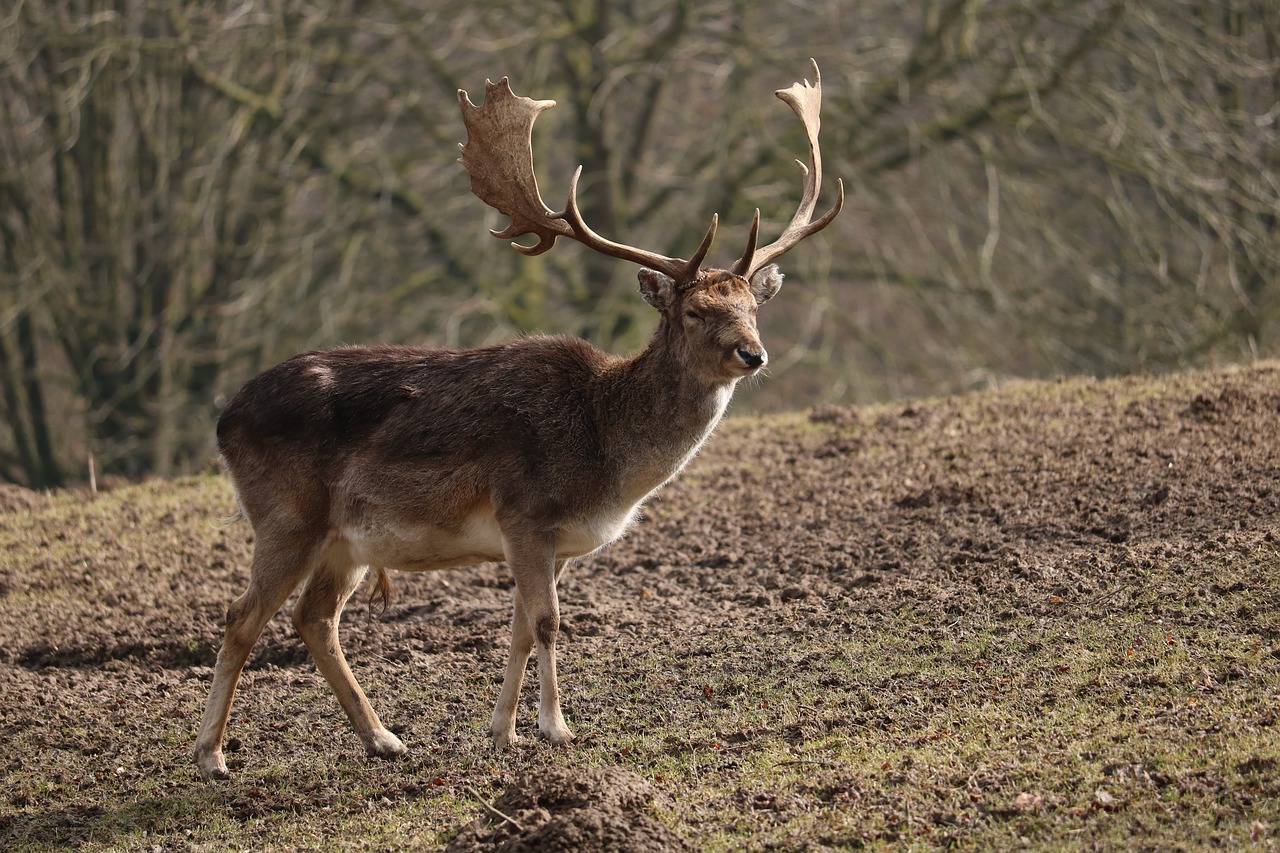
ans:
(752, 358)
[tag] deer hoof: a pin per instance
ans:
(211, 765)
(504, 739)
(381, 743)
(556, 734)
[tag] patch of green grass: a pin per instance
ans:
(1043, 731)
(977, 740)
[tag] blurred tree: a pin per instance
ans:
(190, 191)
(1063, 188)
(177, 184)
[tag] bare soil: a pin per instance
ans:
(571, 810)
(1066, 504)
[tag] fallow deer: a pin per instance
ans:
(532, 452)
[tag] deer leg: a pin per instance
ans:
(279, 565)
(532, 561)
(544, 616)
(316, 617)
(556, 730)
(503, 727)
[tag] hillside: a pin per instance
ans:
(1044, 615)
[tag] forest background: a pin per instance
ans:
(190, 191)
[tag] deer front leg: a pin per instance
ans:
(503, 727)
(316, 618)
(532, 561)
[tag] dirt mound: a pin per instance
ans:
(570, 809)
(15, 499)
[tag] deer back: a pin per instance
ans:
(549, 429)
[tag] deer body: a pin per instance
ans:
(533, 452)
(429, 452)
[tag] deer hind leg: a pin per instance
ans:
(279, 565)
(536, 570)
(316, 617)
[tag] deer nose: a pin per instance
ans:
(752, 358)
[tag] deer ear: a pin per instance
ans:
(656, 288)
(765, 283)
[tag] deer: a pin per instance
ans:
(533, 452)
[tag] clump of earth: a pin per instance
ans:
(570, 809)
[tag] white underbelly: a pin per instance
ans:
(583, 536)
(425, 547)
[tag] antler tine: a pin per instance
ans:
(805, 100)
(695, 263)
(680, 270)
(498, 154)
(743, 264)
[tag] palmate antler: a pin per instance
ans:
(805, 100)
(498, 154)
(502, 170)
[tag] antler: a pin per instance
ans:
(498, 154)
(805, 100)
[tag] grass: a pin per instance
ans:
(973, 738)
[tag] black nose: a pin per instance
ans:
(749, 358)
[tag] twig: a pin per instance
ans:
(820, 762)
(473, 792)
(1101, 597)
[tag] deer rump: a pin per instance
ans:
(413, 458)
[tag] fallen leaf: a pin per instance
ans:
(1028, 801)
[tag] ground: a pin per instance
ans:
(1040, 617)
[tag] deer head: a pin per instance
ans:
(709, 312)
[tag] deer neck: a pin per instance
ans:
(669, 412)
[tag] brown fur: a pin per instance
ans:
(417, 459)
(532, 452)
